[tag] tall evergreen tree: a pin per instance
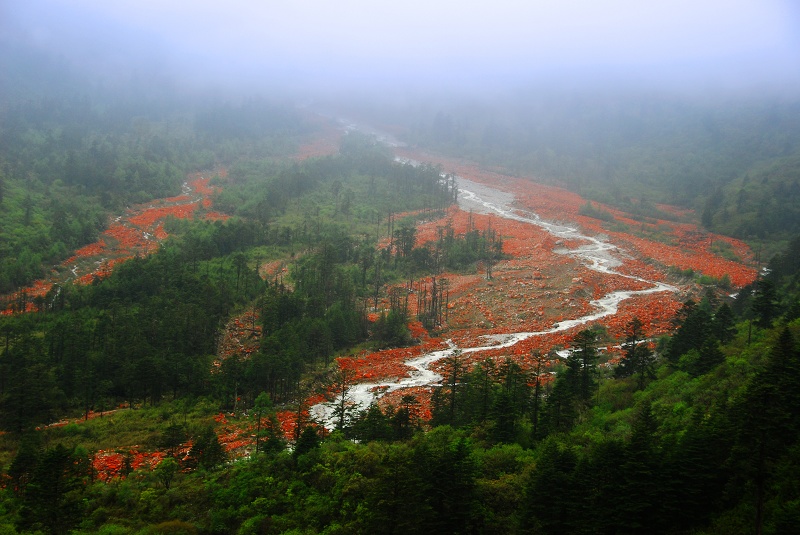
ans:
(723, 324)
(269, 437)
(206, 450)
(709, 357)
(398, 503)
(694, 329)
(445, 405)
(344, 410)
(563, 403)
(765, 302)
(638, 359)
(586, 351)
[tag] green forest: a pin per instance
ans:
(694, 433)
(733, 159)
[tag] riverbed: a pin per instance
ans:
(594, 252)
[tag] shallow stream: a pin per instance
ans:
(596, 253)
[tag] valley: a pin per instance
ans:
(509, 314)
(380, 268)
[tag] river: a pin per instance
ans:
(596, 253)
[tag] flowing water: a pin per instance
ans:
(596, 253)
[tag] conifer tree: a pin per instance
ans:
(585, 350)
(638, 359)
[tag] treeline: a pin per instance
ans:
(363, 180)
(448, 252)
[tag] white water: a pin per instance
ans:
(599, 255)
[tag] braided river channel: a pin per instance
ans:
(594, 252)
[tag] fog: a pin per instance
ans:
(313, 48)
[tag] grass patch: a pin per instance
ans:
(617, 226)
(725, 250)
(590, 210)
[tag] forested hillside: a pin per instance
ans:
(72, 155)
(731, 158)
(698, 438)
(532, 360)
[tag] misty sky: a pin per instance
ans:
(345, 42)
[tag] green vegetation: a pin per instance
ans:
(151, 329)
(596, 212)
(734, 160)
(762, 202)
(695, 434)
(69, 160)
(703, 444)
(702, 439)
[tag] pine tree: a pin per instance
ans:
(445, 404)
(372, 424)
(268, 434)
(561, 409)
(585, 350)
(710, 356)
(344, 410)
(694, 329)
(307, 442)
(638, 359)
(398, 501)
(206, 451)
(449, 469)
(723, 324)
(765, 303)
